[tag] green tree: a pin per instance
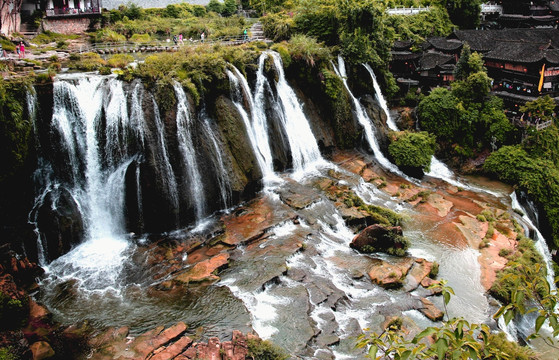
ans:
(413, 149)
(215, 6)
(464, 13)
(542, 107)
(468, 63)
(437, 114)
(229, 7)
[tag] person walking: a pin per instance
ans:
(202, 36)
(21, 50)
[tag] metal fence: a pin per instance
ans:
(164, 45)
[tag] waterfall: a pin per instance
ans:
(304, 149)
(162, 160)
(188, 153)
(218, 161)
(99, 194)
(381, 100)
(366, 123)
(259, 124)
(539, 240)
(255, 125)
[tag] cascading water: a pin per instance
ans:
(304, 149)
(380, 98)
(255, 124)
(539, 240)
(366, 123)
(163, 162)
(95, 264)
(193, 180)
(219, 164)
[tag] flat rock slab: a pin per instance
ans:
(430, 310)
(390, 275)
(204, 270)
(298, 196)
(250, 222)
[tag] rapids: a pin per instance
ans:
(297, 282)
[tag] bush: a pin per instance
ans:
(277, 27)
(412, 150)
(140, 38)
(107, 35)
(120, 60)
(306, 49)
(265, 350)
(88, 62)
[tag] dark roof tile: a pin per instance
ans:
(430, 60)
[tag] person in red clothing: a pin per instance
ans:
(21, 50)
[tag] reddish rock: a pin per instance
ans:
(430, 310)
(419, 271)
(173, 350)
(249, 223)
(204, 270)
(36, 311)
(427, 281)
(41, 350)
(390, 275)
(144, 347)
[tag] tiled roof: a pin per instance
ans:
(441, 43)
(402, 44)
(404, 55)
(486, 40)
(430, 60)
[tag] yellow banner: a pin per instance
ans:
(541, 78)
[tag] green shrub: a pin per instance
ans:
(88, 62)
(140, 38)
(47, 37)
(413, 150)
(277, 26)
(306, 49)
(107, 35)
(434, 270)
(498, 344)
(504, 253)
(7, 353)
(265, 350)
(120, 60)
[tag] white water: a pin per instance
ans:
(366, 123)
(304, 149)
(219, 165)
(95, 264)
(163, 159)
(380, 98)
(193, 180)
(539, 241)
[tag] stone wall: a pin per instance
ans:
(74, 25)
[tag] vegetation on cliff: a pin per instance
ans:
(15, 126)
(412, 149)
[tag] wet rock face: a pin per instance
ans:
(60, 222)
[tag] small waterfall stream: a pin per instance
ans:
(380, 98)
(366, 123)
(193, 180)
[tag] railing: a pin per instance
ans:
(406, 11)
(543, 125)
(491, 8)
(72, 12)
(164, 45)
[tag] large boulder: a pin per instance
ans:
(381, 238)
(60, 221)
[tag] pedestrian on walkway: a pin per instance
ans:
(21, 50)
(202, 36)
